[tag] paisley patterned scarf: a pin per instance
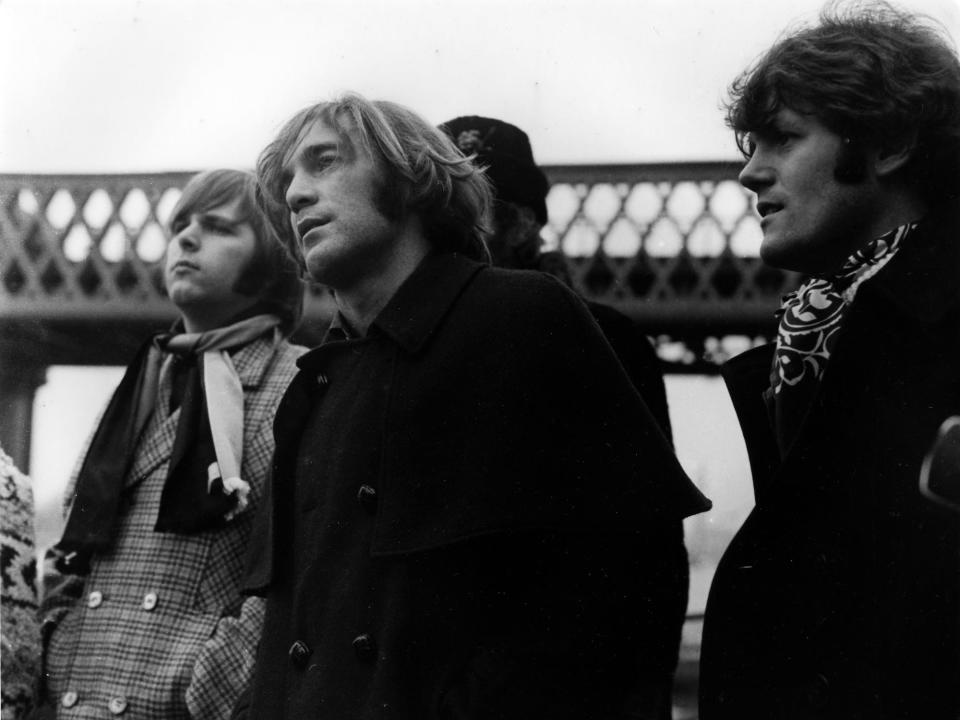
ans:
(810, 321)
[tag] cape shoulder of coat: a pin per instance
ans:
(507, 411)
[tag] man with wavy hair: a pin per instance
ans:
(838, 598)
(448, 536)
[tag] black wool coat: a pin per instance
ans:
(473, 515)
(838, 598)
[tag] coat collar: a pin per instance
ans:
(921, 281)
(417, 308)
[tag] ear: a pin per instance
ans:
(893, 155)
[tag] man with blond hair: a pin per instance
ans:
(448, 536)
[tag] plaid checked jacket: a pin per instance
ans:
(158, 628)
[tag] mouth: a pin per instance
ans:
(307, 224)
(765, 208)
(181, 265)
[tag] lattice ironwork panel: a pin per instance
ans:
(673, 245)
(676, 246)
(84, 247)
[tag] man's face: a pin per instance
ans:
(811, 222)
(333, 195)
(206, 255)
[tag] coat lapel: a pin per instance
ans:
(747, 376)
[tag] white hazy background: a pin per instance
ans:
(106, 86)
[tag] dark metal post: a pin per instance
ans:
(19, 381)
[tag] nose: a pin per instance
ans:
(300, 193)
(189, 237)
(757, 173)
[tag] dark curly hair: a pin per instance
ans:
(426, 173)
(871, 73)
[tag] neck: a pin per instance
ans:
(206, 318)
(362, 301)
(896, 209)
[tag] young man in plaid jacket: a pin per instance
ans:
(143, 616)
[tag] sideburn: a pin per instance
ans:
(253, 279)
(851, 164)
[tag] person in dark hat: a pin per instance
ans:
(520, 212)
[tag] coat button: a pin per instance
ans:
(117, 705)
(69, 699)
(95, 599)
(367, 497)
(365, 648)
(818, 692)
(149, 601)
(300, 653)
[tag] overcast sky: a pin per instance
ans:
(149, 85)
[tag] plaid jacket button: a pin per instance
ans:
(300, 653)
(149, 601)
(95, 599)
(69, 699)
(117, 705)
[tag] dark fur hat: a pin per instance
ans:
(504, 150)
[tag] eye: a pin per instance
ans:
(780, 135)
(217, 227)
(178, 226)
(782, 138)
(322, 158)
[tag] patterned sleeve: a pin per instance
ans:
(20, 635)
(224, 667)
(64, 574)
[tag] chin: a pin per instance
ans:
(775, 255)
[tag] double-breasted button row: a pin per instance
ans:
(300, 654)
(367, 497)
(116, 705)
(95, 599)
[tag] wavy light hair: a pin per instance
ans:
(425, 173)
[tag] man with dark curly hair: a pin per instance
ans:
(838, 598)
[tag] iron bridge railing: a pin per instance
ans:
(672, 245)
